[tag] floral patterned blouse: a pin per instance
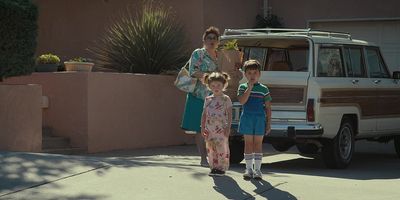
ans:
(201, 61)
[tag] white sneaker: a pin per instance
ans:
(248, 174)
(257, 174)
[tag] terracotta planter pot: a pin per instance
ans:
(226, 61)
(46, 67)
(78, 66)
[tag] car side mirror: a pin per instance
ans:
(396, 75)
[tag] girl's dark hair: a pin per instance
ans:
(251, 65)
(216, 76)
(211, 30)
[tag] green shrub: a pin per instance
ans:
(271, 21)
(48, 59)
(231, 45)
(80, 59)
(18, 32)
(150, 41)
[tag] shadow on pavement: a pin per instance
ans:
(266, 190)
(19, 171)
(228, 187)
(364, 166)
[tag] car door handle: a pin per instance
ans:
(355, 81)
(377, 81)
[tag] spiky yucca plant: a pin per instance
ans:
(149, 41)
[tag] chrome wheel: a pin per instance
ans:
(345, 144)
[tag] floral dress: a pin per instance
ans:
(203, 62)
(216, 121)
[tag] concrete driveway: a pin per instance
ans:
(173, 173)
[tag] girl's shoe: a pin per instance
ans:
(213, 172)
(204, 164)
(257, 174)
(219, 172)
(248, 174)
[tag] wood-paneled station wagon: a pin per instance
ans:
(328, 91)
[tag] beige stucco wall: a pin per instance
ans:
(67, 110)
(111, 111)
(295, 14)
(69, 27)
(20, 117)
(134, 111)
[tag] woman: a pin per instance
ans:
(203, 60)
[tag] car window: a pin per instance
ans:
(354, 62)
(276, 60)
(330, 62)
(257, 53)
(376, 67)
(298, 59)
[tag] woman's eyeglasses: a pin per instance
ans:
(211, 38)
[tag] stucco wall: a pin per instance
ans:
(67, 110)
(127, 110)
(20, 117)
(69, 27)
(295, 14)
(111, 111)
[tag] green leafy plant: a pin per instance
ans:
(18, 30)
(48, 59)
(150, 41)
(271, 21)
(80, 59)
(231, 45)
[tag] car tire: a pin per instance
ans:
(397, 144)
(282, 146)
(307, 148)
(337, 153)
(236, 147)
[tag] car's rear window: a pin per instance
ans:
(279, 59)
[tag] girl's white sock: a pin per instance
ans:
(249, 161)
(257, 161)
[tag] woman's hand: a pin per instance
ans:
(238, 65)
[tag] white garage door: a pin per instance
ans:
(384, 33)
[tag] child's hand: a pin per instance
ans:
(204, 133)
(250, 85)
(227, 132)
(268, 129)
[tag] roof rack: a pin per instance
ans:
(308, 32)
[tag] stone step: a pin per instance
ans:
(55, 143)
(65, 151)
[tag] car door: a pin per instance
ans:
(345, 89)
(362, 89)
(388, 92)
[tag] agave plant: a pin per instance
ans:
(149, 41)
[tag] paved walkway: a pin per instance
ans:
(173, 173)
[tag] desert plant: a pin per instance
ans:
(231, 45)
(271, 21)
(80, 59)
(18, 30)
(48, 59)
(150, 41)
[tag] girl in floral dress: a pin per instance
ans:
(216, 122)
